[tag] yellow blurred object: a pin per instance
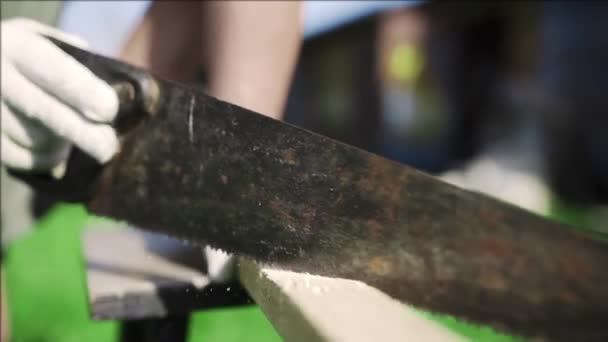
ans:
(405, 63)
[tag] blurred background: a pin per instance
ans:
(502, 98)
(505, 98)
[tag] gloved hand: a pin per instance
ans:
(50, 101)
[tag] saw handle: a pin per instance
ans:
(137, 90)
(138, 94)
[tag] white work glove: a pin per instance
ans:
(50, 101)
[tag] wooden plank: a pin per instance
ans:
(134, 275)
(138, 275)
(304, 307)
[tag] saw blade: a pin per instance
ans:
(210, 172)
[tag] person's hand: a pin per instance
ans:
(50, 101)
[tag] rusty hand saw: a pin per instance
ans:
(196, 168)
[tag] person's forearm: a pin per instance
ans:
(248, 48)
(252, 49)
(168, 40)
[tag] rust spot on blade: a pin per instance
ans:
(494, 247)
(569, 297)
(344, 175)
(574, 267)
(374, 228)
(382, 181)
(308, 214)
(493, 280)
(379, 266)
(289, 157)
(279, 208)
(491, 216)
